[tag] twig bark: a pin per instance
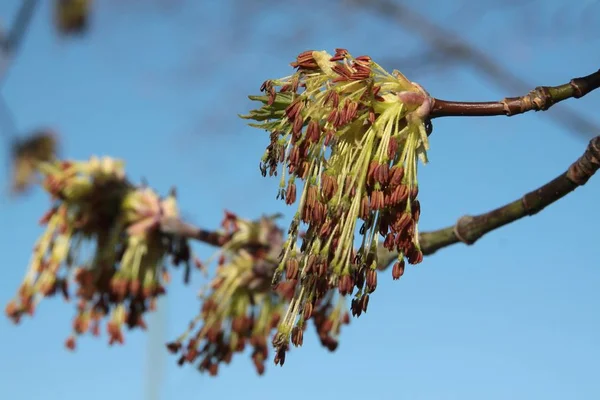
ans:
(539, 99)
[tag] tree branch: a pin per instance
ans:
(469, 229)
(539, 99)
(175, 226)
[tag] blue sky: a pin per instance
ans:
(514, 316)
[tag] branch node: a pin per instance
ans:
(463, 223)
(581, 170)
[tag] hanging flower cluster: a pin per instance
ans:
(122, 275)
(27, 153)
(239, 309)
(351, 133)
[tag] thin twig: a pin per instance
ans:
(539, 99)
(9, 45)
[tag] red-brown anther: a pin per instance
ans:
(294, 156)
(266, 85)
(297, 336)
(414, 192)
(343, 71)
(294, 110)
(241, 344)
(319, 213)
(333, 117)
(213, 369)
(291, 269)
(305, 60)
(371, 280)
(388, 243)
(414, 255)
(238, 324)
(332, 97)
(402, 221)
(365, 208)
(311, 196)
(280, 356)
(399, 195)
(80, 324)
(377, 200)
(322, 267)
(212, 334)
(307, 311)
(364, 302)
(329, 186)
(297, 129)
(345, 285)
(260, 367)
(346, 318)
(313, 131)
(392, 148)
(227, 357)
(134, 287)
(46, 217)
(398, 269)
(340, 54)
(174, 347)
(303, 169)
(327, 326)
(396, 175)
(372, 116)
(325, 229)
(382, 173)
(70, 343)
(415, 208)
(348, 112)
(356, 307)
(373, 165)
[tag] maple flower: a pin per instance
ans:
(95, 207)
(351, 134)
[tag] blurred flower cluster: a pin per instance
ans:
(239, 308)
(72, 16)
(102, 236)
(27, 153)
(351, 134)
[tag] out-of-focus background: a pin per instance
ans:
(159, 83)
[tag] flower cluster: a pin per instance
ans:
(351, 133)
(239, 309)
(72, 16)
(96, 207)
(27, 153)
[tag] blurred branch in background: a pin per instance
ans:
(10, 43)
(446, 46)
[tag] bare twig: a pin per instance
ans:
(175, 226)
(9, 45)
(539, 99)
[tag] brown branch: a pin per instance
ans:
(469, 229)
(539, 99)
(175, 226)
